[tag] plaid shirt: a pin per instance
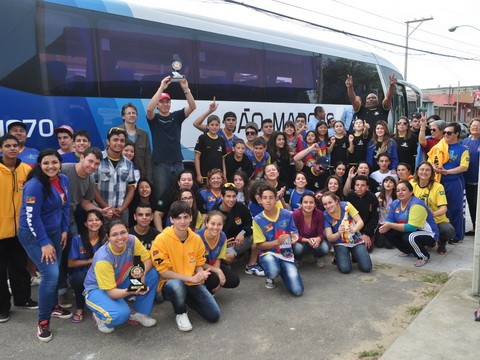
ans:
(112, 182)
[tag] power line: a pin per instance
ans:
(346, 32)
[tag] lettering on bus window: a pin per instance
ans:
(45, 126)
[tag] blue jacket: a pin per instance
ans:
(43, 215)
(391, 151)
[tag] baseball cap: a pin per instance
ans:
(251, 125)
(64, 128)
(16, 123)
(322, 161)
(164, 96)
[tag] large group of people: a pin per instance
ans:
(128, 226)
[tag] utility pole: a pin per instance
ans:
(408, 35)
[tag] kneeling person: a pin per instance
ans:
(179, 256)
(107, 281)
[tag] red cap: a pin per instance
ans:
(164, 96)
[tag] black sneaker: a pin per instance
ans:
(61, 313)
(4, 316)
(29, 304)
(43, 331)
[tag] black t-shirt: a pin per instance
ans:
(236, 220)
(368, 209)
(371, 116)
(232, 165)
(315, 182)
(407, 150)
(340, 150)
(146, 239)
(212, 150)
(360, 144)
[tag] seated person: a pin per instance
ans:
(82, 249)
(274, 232)
(309, 222)
(142, 230)
(238, 229)
(108, 280)
(342, 225)
(179, 256)
(215, 242)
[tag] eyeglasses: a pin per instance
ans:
(433, 130)
(229, 185)
(250, 133)
(116, 235)
(448, 133)
(188, 198)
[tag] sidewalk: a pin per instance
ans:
(445, 328)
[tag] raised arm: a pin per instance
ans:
(188, 95)
(198, 123)
(299, 156)
(387, 102)
(354, 99)
(154, 100)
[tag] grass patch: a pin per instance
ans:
(429, 293)
(414, 310)
(382, 266)
(435, 278)
(369, 353)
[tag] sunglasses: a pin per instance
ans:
(402, 123)
(250, 132)
(433, 130)
(116, 129)
(448, 133)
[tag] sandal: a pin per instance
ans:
(476, 315)
(420, 263)
(402, 254)
(77, 317)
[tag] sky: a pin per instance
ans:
(381, 20)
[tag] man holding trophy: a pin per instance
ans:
(166, 128)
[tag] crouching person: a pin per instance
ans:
(274, 232)
(179, 256)
(108, 280)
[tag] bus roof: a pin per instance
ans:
(246, 24)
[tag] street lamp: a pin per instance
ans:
(406, 40)
(452, 29)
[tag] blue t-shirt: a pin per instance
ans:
(471, 175)
(77, 251)
(294, 197)
(166, 134)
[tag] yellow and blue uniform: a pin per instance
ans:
(110, 270)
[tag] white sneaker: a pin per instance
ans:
(35, 280)
(183, 322)
(320, 262)
(143, 319)
(101, 326)
(270, 283)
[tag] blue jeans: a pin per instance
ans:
(115, 312)
(196, 297)
(76, 280)
(344, 260)
(300, 249)
(62, 282)
(47, 290)
(164, 174)
(274, 266)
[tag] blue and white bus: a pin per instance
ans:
(77, 62)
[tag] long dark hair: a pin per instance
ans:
(276, 152)
(246, 186)
(383, 193)
(38, 172)
(84, 233)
